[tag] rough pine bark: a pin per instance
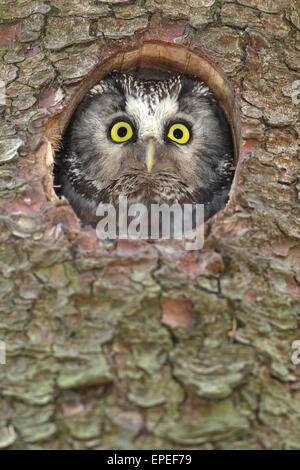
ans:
(145, 345)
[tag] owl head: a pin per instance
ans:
(163, 140)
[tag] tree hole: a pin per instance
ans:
(156, 124)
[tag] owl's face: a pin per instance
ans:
(150, 140)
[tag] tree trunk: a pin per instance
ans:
(146, 345)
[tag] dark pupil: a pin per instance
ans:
(178, 133)
(122, 131)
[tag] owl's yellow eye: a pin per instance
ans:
(121, 131)
(179, 133)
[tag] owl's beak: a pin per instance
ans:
(150, 155)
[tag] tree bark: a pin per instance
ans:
(145, 345)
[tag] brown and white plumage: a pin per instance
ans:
(94, 169)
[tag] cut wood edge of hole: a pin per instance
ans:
(159, 55)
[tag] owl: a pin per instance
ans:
(154, 137)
